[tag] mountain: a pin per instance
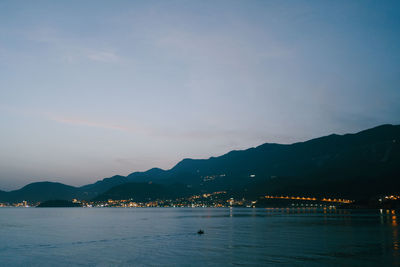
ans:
(141, 192)
(92, 190)
(41, 191)
(2, 195)
(154, 173)
(357, 166)
(59, 204)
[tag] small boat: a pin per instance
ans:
(200, 232)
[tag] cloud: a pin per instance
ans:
(83, 122)
(73, 49)
(233, 135)
(103, 56)
(223, 48)
(194, 134)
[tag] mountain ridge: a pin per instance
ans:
(373, 151)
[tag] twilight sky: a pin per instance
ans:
(90, 89)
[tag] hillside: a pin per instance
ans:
(359, 166)
(41, 191)
(141, 192)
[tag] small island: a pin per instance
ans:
(58, 204)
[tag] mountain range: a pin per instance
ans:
(355, 166)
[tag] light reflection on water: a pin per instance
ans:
(233, 236)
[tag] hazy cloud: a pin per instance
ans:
(72, 49)
(103, 56)
(79, 122)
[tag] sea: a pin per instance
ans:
(168, 237)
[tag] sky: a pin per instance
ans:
(91, 89)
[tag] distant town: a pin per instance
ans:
(220, 199)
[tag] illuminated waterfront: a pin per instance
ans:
(221, 199)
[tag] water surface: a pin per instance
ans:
(168, 237)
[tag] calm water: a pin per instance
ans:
(167, 236)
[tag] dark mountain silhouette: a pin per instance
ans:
(157, 173)
(92, 190)
(352, 165)
(141, 192)
(41, 191)
(357, 166)
(59, 204)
